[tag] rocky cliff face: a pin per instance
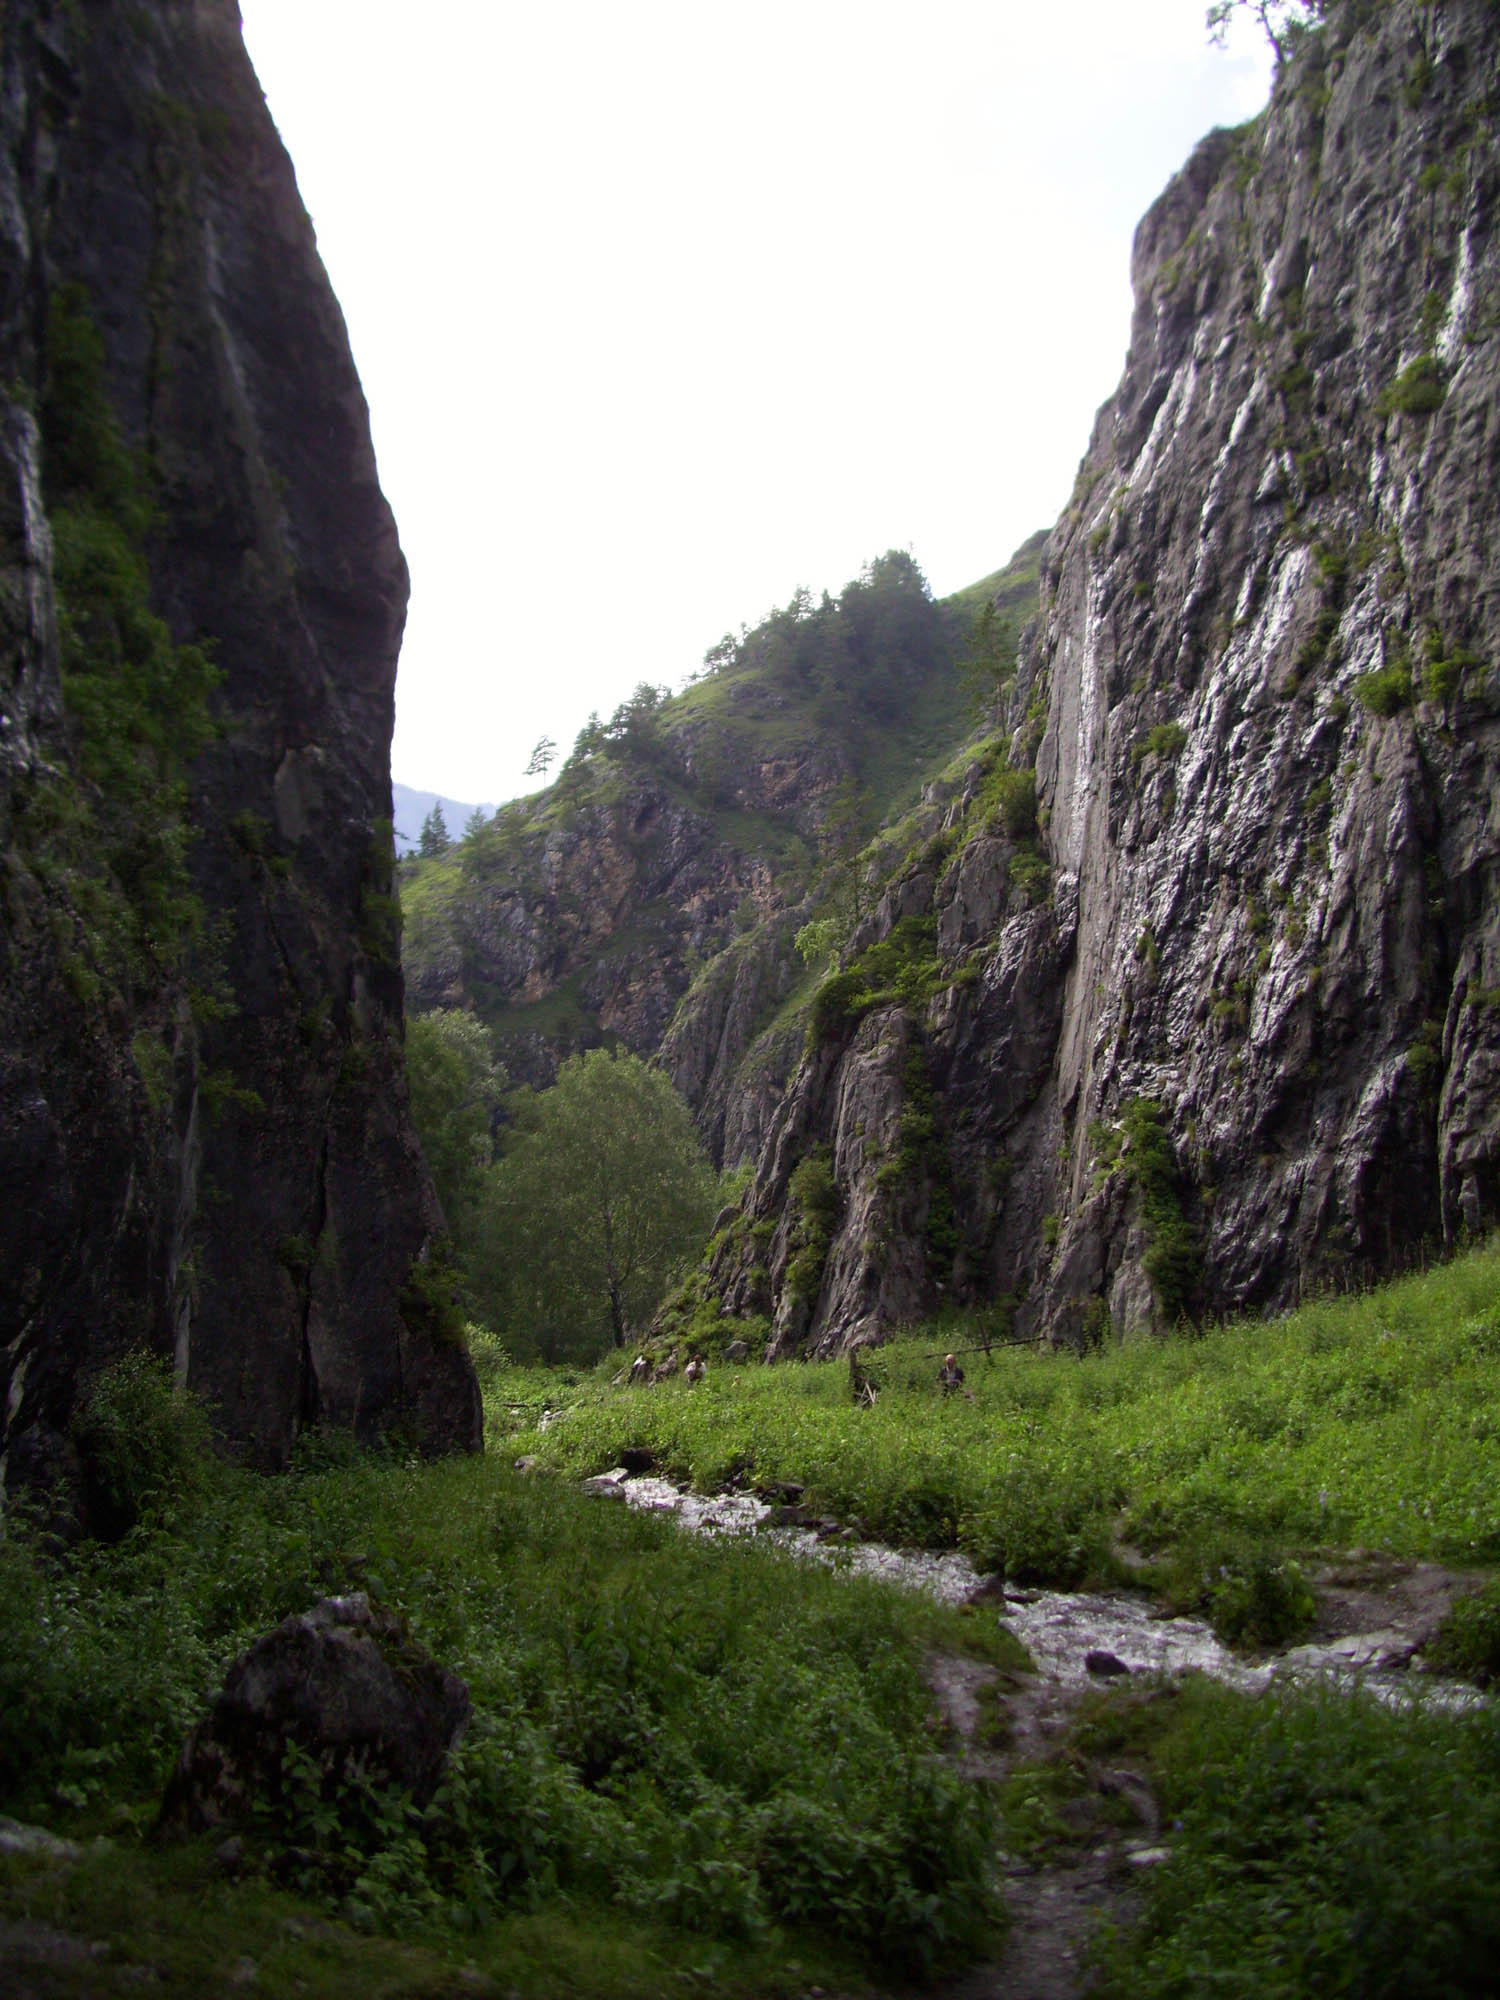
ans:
(1228, 1027)
(651, 895)
(204, 1145)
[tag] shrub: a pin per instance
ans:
(1385, 691)
(144, 1444)
(836, 1006)
(901, 969)
(1172, 1261)
(1323, 1844)
(1165, 740)
(814, 1196)
(1030, 876)
(1417, 391)
(1469, 1642)
(1252, 1595)
(1014, 794)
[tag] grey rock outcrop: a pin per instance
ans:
(1239, 1037)
(346, 1686)
(205, 1150)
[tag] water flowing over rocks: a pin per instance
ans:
(1071, 1635)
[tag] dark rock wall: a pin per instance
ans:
(222, 1164)
(568, 928)
(1267, 675)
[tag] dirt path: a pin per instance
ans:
(1374, 1614)
(1057, 1904)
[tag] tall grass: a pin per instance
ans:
(1322, 1844)
(1368, 1421)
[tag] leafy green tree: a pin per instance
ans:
(456, 1088)
(476, 823)
(434, 839)
(601, 1198)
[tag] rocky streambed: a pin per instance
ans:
(1374, 1614)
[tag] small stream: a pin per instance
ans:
(1061, 1629)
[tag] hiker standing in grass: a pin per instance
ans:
(951, 1376)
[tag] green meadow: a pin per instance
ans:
(702, 1767)
(1368, 1421)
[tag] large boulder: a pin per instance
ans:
(344, 1683)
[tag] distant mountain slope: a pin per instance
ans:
(409, 810)
(684, 842)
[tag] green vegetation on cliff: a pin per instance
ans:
(685, 822)
(109, 841)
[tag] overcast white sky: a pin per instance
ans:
(665, 309)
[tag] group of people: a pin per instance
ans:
(641, 1371)
(950, 1376)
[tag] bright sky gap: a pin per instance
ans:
(664, 312)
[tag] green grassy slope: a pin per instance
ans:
(1368, 1420)
(703, 1767)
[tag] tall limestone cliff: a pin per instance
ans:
(1222, 1022)
(204, 1141)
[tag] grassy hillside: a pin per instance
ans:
(601, 1832)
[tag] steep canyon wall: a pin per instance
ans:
(204, 1141)
(1226, 1024)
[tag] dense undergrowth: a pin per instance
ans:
(702, 1767)
(691, 1750)
(1322, 1844)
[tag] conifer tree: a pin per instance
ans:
(434, 838)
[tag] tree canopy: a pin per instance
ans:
(1282, 20)
(601, 1197)
(434, 838)
(456, 1086)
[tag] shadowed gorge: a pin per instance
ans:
(886, 1387)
